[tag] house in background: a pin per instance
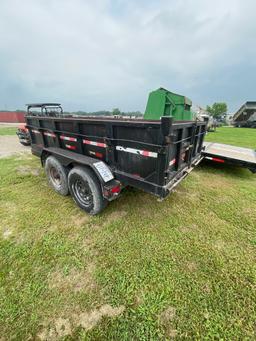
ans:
(228, 119)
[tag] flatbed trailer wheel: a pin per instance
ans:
(57, 175)
(86, 191)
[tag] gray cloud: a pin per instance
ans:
(103, 54)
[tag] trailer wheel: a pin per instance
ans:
(57, 175)
(86, 191)
(25, 143)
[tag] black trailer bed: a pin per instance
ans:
(150, 155)
(225, 153)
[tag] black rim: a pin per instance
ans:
(55, 176)
(82, 193)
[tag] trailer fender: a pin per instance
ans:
(111, 187)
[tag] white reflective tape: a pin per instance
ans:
(137, 151)
(208, 157)
(94, 143)
(70, 147)
(35, 131)
(49, 134)
(67, 138)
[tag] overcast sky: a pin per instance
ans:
(101, 54)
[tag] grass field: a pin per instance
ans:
(7, 130)
(183, 268)
(243, 137)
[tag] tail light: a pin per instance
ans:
(112, 190)
(116, 189)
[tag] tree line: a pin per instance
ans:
(218, 109)
(114, 112)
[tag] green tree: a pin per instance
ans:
(116, 112)
(217, 109)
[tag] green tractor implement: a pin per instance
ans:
(162, 102)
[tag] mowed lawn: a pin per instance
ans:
(184, 268)
(7, 130)
(243, 137)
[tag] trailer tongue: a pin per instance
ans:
(224, 153)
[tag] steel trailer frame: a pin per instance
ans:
(164, 152)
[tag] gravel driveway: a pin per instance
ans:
(9, 145)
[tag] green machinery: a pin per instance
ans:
(162, 102)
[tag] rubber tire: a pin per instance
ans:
(61, 188)
(25, 143)
(87, 175)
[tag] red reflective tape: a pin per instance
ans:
(70, 147)
(49, 134)
(96, 154)
(67, 138)
(94, 143)
(145, 153)
(100, 144)
(217, 160)
(172, 162)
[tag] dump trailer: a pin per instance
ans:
(94, 158)
(162, 102)
(246, 115)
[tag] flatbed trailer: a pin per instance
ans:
(224, 153)
(94, 158)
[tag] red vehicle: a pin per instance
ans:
(23, 135)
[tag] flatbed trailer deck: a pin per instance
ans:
(233, 155)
